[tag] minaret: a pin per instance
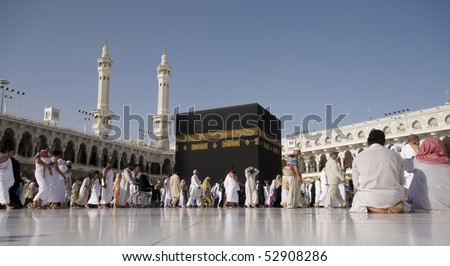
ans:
(162, 119)
(102, 115)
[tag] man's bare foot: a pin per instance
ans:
(376, 210)
(37, 205)
(397, 208)
(9, 207)
(54, 206)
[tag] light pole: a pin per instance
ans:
(19, 93)
(87, 118)
(4, 82)
(446, 94)
(7, 97)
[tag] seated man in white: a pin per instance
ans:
(378, 178)
(430, 187)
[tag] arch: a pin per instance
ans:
(26, 145)
(93, 158)
(338, 138)
(322, 161)
(447, 119)
(56, 145)
(312, 165)
(416, 125)
(348, 159)
(123, 161)
(82, 154)
(446, 141)
(166, 168)
(387, 130)
(115, 159)
(432, 122)
(308, 144)
(141, 162)
(42, 140)
(69, 153)
(8, 139)
(349, 136)
(105, 157)
(401, 127)
(317, 142)
(361, 134)
(327, 140)
(155, 168)
(302, 165)
(133, 159)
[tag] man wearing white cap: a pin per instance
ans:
(195, 190)
(334, 178)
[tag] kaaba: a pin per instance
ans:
(213, 141)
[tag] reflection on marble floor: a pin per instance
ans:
(220, 227)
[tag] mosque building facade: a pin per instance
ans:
(315, 146)
(92, 151)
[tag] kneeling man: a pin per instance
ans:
(378, 178)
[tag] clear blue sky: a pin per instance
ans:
(296, 56)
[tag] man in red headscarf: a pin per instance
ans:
(430, 187)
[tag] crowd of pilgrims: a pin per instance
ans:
(383, 180)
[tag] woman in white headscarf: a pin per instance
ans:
(85, 192)
(107, 184)
(95, 191)
(167, 194)
(183, 194)
(272, 193)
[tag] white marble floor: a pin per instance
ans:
(143, 227)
